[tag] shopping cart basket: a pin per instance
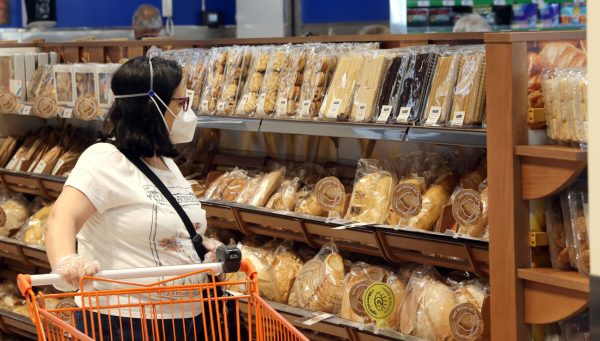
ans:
(159, 306)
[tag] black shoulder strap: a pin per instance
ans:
(196, 238)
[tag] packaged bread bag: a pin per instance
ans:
(267, 280)
(267, 98)
(557, 236)
(372, 192)
(14, 212)
(246, 106)
(337, 104)
(214, 80)
(236, 71)
(441, 92)
(34, 231)
(284, 199)
(368, 86)
(575, 210)
(469, 94)
(288, 93)
(319, 285)
(320, 64)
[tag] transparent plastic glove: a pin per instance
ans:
(71, 268)
(211, 245)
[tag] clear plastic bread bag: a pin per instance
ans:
(426, 306)
(372, 192)
(469, 93)
(407, 193)
(34, 231)
(266, 187)
(392, 85)
(214, 80)
(246, 106)
(372, 296)
(236, 69)
(441, 93)
(197, 75)
(288, 94)
(286, 265)
(319, 285)
(433, 201)
(13, 214)
(236, 184)
(306, 202)
(575, 201)
(284, 199)
(557, 236)
(320, 63)
(576, 328)
(267, 98)
(250, 190)
(337, 104)
(368, 87)
(551, 100)
(267, 280)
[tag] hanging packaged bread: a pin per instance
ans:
(288, 93)
(372, 192)
(469, 93)
(246, 106)
(267, 97)
(441, 92)
(214, 80)
(575, 203)
(284, 199)
(321, 63)
(319, 285)
(372, 296)
(13, 213)
(337, 104)
(368, 87)
(236, 70)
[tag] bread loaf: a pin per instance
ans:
(267, 185)
(284, 198)
(13, 214)
(433, 202)
(7, 149)
(35, 229)
(371, 198)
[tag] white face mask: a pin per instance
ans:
(184, 125)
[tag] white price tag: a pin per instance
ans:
(499, 2)
(467, 2)
(40, 167)
(423, 3)
(434, 115)
(26, 110)
(317, 318)
(305, 110)
(459, 118)
(190, 94)
(403, 115)
(204, 106)
(386, 110)
(360, 112)
(448, 2)
(57, 167)
(221, 106)
(334, 108)
(67, 113)
(282, 106)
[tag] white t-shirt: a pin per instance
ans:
(134, 225)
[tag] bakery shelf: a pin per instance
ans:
(448, 136)
(37, 184)
(546, 170)
(552, 295)
(229, 123)
(439, 3)
(23, 253)
(369, 131)
(393, 245)
(17, 324)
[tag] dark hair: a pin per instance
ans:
(137, 127)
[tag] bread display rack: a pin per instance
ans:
(518, 172)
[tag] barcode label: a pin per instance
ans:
(317, 318)
(204, 106)
(403, 115)
(386, 110)
(434, 115)
(423, 3)
(26, 110)
(459, 118)
(282, 106)
(67, 113)
(467, 2)
(360, 112)
(334, 108)
(40, 167)
(305, 110)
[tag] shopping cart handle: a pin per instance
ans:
(230, 257)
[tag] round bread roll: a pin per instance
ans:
(13, 214)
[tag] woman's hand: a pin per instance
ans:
(71, 268)
(211, 245)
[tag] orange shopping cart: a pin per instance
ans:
(176, 308)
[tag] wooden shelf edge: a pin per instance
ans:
(552, 152)
(17, 324)
(570, 280)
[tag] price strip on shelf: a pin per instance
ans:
(25, 110)
(467, 2)
(305, 109)
(386, 110)
(315, 319)
(360, 113)
(459, 118)
(499, 2)
(403, 115)
(448, 2)
(334, 108)
(423, 3)
(434, 116)
(67, 113)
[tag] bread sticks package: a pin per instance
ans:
(317, 74)
(64, 83)
(197, 75)
(576, 212)
(267, 97)
(441, 93)
(469, 93)
(337, 104)
(236, 70)
(12, 75)
(214, 80)
(288, 94)
(390, 89)
(368, 87)
(246, 106)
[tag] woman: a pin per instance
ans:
(118, 217)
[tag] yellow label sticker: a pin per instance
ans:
(378, 300)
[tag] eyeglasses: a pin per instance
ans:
(185, 102)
